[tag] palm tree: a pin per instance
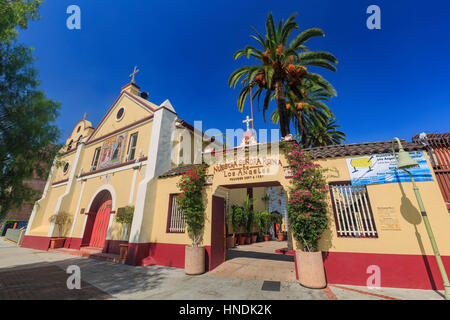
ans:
(309, 108)
(322, 133)
(281, 67)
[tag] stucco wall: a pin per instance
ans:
(412, 237)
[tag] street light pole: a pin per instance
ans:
(404, 162)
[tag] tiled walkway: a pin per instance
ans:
(33, 274)
(22, 284)
(258, 261)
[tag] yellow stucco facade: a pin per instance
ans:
(135, 156)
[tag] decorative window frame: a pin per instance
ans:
(66, 168)
(173, 197)
(129, 145)
(123, 114)
(345, 227)
(95, 163)
(69, 146)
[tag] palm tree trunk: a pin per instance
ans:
(302, 131)
(281, 105)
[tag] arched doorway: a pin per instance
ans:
(98, 220)
(257, 259)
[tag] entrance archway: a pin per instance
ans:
(260, 260)
(98, 220)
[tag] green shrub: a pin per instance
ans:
(125, 215)
(264, 220)
(249, 214)
(238, 219)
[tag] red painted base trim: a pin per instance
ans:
(72, 243)
(397, 270)
(36, 242)
(113, 246)
(161, 254)
(136, 253)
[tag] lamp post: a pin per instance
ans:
(404, 162)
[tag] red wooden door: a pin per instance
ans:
(217, 232)
(101, 225)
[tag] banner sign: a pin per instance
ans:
(382, 168)
(112, 151)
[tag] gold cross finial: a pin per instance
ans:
(133, 74)
(247, 121)
(84, 116)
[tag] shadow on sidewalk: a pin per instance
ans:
(99, 280)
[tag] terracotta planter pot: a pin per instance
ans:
(248, 240)
(280, 236)
(242, 240)
(230, 242)
(311, 273)
(254, 238)
(123, 252)
(194, 260)
(56, 243)
(266, 237)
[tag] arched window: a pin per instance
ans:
(79, 139)
(120, 113)
(66, 168)
(69, 146)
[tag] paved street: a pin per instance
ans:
(32, 274)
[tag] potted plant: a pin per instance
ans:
(63, 221)
(264, 221)
(238, 221)
(278, 220)
(124, 216)
(307, 212)
(191, 203)
(249, 218)
(230, 241)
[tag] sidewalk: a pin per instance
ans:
(32, 274)
(5, 243)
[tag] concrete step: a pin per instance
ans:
(89, 251)
(67, 251)
(106, 256)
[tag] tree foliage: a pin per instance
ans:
(280, 71)
(16, 14)
(321, 133)
(27, 116)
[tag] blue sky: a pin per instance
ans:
(390, 82)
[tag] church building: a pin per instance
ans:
(134, 159)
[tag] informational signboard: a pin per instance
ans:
(112, 151)
(388, 219)
(382, 168)
(248, 169)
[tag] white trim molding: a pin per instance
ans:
(158, 162)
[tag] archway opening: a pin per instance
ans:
(256, 257)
